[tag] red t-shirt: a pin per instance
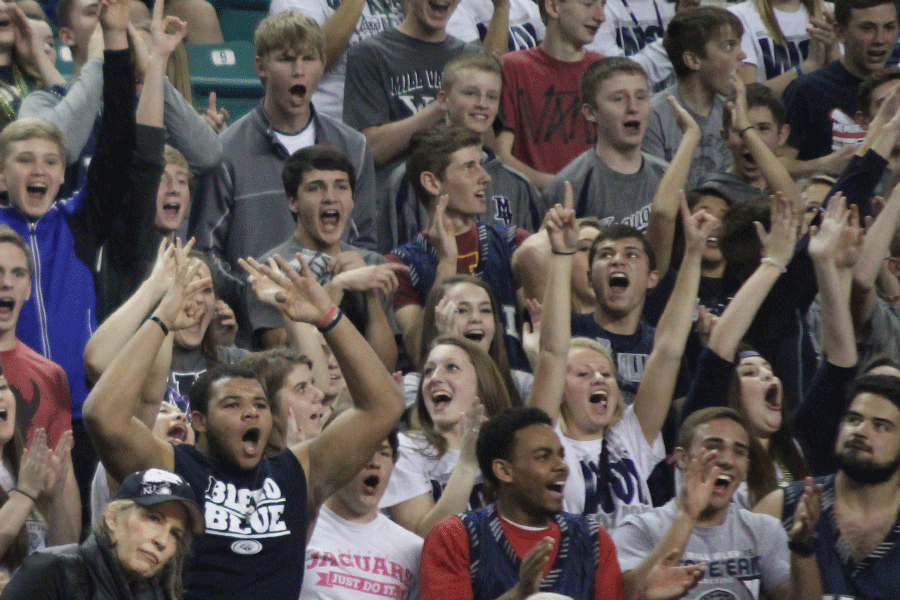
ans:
(444, 570)
(541, 105)
(41, 390)
(467, 249)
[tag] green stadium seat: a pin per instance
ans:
(239, 24)
(226, 69)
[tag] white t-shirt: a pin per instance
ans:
(763, 52)
(360, 561)
(469, 22)
(377, 16)
(631, 25)
(304, 138)
(417, 472)
(631, 460)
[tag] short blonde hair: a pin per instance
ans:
(289, 30)
(28, 129)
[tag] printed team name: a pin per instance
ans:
(741, 567)
(373, 565)
(415, 81)
(240, 512)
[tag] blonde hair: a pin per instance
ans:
(767, 15)
(289, 30)
(28, 129)
(175, 568)
(583, 343)
(477, 61)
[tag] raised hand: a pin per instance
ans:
(264, 287)
(439, 232)
(471, 425)
(176, 309)
(683, 118)
(740, 116)
(57, 465)
(224, 325)
(560, 224)
(699, 479)
(114, 15)
(30, 479)
(666, 580)
(370, 277)
(697, 227)
(444, 314)
(807, 512)
(531, 332)
(166, 31)
(216, 117)
(780, 242)
(29, 44)
(300, 296)
(531, 572)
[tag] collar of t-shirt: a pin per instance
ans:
(303, 139)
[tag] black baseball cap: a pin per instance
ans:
(153, 486)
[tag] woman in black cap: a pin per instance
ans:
(136, 553)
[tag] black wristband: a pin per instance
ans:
(159, 322)
(334, 321)
(745, 130)
(802, 549)
(29, 496)
(563, 253)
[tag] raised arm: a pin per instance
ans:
(342, 449)
(126, 444)
(556, 319)
(771, 166)
(834, 241)
(665, 205)
(875, 250)
(778, 249)
(654, 395)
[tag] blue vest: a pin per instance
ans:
(495, 249)
(494, 565)
(876, 577)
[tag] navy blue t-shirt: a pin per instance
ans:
(256, 523)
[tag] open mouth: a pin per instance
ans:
(36, 189)
(618, 281)
(772, 400)
(440, 398)
(250, 441)
(298, 90)
(179, 432)
(633, 127)
(172, 208)
(330, 217)
(723, 481)
(712, 242)
(555, 487)
(5, 22)
(476, 335)
(598, 397)
(6, 304)
(4, 414)
(372, 481)
(439, 9)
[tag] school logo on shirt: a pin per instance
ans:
(778, 58)
(246, 514)
(345, 570)
(632, 38)
(504, 210)
(844, 130)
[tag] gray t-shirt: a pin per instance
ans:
(264, 316)
(663, 136)
(744, 556)
(611, 196)
(392, 76)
